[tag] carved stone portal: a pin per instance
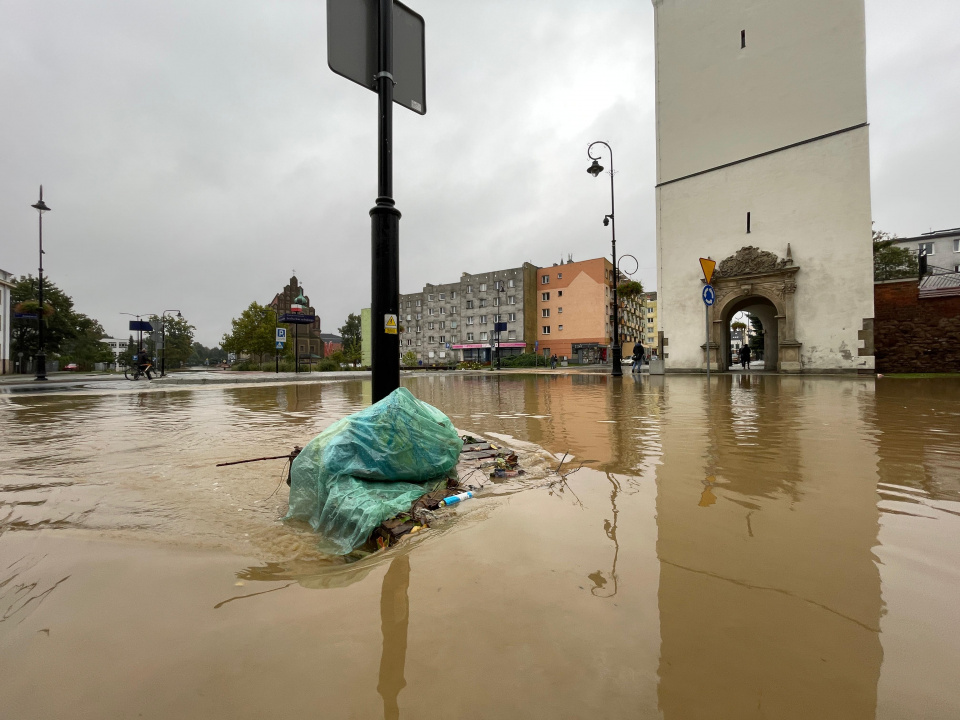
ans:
(758, 279)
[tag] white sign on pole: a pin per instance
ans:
(281, 335)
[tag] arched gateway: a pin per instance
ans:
(758, 282)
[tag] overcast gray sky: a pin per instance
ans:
(196, 153)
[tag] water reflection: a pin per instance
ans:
(599, 579)
(394, 618)
(769, 591)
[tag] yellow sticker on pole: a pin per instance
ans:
(708, 266)
(390, 324)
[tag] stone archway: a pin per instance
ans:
(758, 279)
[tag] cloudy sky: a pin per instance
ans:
(195, 153)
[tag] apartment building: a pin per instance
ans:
(650, 320)
(6, 315)
(575, 310)
(452, 322)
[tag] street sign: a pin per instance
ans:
(390, 324)
(352, 43)
(500, 327)
(447, 346)
(708, 295)
(279, 345)
(708, 265)
(281, 335)
(298, 318)
(26, 316)
(141, 326)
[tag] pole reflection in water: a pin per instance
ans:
(394, 618)
(610, 529)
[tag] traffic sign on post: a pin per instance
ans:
(281, 335)
(279, 345)
(709, 295)
(708, 266)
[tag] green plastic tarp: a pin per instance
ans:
(370, 466)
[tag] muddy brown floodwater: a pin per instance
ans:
(780, 547)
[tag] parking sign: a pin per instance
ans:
(281, 335)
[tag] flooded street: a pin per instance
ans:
(777, 547)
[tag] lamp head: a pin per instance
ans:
(595, 169)
(40, 205)
(606, 220)
(178, 314)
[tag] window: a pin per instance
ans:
(512, 317)
(441, 324)
(470, 339)
(483, 287)
(748, 223)
(545, 312)
(432, 339)
(511, 300)
(453, 309)
(559, 327)
(409, 318)
(453, 338)
(559, 293)
(956, 245)
(443, 338)
(469, 289)
(483, 336)
(559, 276)
(956, 268)
(409, 343)
(419, 342)
(498, 318)
(408, 303)
(453, 295)
(560, 310)
(483, 319)
(418, 329)
(441, 296)
(429, 326)
(470, 306)
(442, 354)
(443, 311)
(430, 298)
(926, 247)
(496, 300)
(431, 353)
(545, 296)
(511, 283)
(544, 279)
(419, 316)
(469, 321)
(545, 329)
(743, 44)
(429, 311)
(483, 302)
(512, 335)
(418, 303)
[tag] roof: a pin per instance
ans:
(928, 236)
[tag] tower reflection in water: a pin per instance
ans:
(769, 591)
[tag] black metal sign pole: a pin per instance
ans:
(385, 228)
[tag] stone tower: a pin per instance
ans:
(763, 166)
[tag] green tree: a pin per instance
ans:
(125, 359)
(351, 334)
(409, 358)
(202, 355)
(890, 261)
(178, 337)
(756, 340)
(253, 333)
(60, 320)
(86, 348)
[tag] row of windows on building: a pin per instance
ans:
(470, 337)
(930, 248)
(511, 300)
(478, 320)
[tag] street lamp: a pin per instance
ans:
(595, 169)
(163, 340)
(41, 208)
(276, 325)
(498, 318)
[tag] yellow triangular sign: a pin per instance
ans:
(708, 266)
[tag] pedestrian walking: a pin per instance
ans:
(745, 356)
(637, 358)
(553, 362)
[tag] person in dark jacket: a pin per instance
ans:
(745, 356)
(637, 357)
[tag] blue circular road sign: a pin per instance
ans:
(709, 295)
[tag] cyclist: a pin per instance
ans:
(143, 363)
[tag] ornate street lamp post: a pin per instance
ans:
(595, 169)
(163, 340)
(41, 208)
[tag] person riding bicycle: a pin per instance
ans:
(143, 362)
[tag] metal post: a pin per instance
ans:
(296, 347)
(41, 355)
(706, 318)
(163, 345)
(385, 227)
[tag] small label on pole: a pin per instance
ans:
(708, 266)
(390, 324)
(279, 345)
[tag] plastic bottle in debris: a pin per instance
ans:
(454, 499)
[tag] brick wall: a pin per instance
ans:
(914, 334)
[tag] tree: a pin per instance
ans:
(890, 261)
(201, 355)
(177, 336)
(351, 334)
(60, 321)
(738, 326)
(252, 333)
(409, 358)
(125, 359)
(756, 339)
(87, 348)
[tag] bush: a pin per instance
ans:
(327, 365)
(521, 360)
(469, 365)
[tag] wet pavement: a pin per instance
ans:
(782, 547)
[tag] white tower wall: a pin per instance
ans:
(777, 129)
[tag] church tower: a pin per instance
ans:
(763, 166)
